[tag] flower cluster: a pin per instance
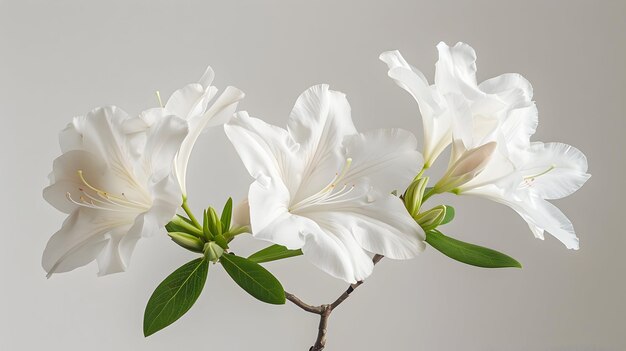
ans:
(320, 188)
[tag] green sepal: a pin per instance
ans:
(175, 296)
(213, 251)
(432, 218)
(254, 279)
(449, 215)
(227, 214)
(221, 241)
(469, 253)
(413, 196)
(273, 253)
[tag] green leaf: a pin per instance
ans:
(273, 253)
(175, 295)
(449, 215)
(254, 279)
(227, 214)
(469, 253)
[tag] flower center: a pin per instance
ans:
(331, 193)
(93, 197)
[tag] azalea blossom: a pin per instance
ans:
(436, 120)
(115, 181)
(322, 187)
(193, 103)
(492, 155)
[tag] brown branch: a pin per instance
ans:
(296, 301)
(324, 311)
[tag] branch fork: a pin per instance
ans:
(325, 310)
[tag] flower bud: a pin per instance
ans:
(188, 241)
(212, 251)
(215, 224)
(432, 218)
(414, 194)
(466, 168)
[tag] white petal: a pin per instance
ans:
(269, 217)
(71, 138)
(510, 87)
(241, 214)
(319, 122)
(65, 179)
(110, 259)
(103, 135)
(163, 141)
(517, 128)
(285, 229)
(436, 123)
(456, 70)
(268, 152)
(386, 159)
(378, 221)
(189, 101)
(555, 170)
(80, 239)
(394, 59)
(207, 77)
(334, 250)
(539, 214)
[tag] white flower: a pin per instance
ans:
(322, 187)
(436, 121)
(193, 103)
(518, 173)
(115, 181)
(543, 172)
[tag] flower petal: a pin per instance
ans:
(335, 251)
(378, 221)
(319, 122)
(512, 88)
(163, 140)
(456, 70)
(64, 178)
(539, 214)
(387, 159)
(554, 170)
(80, 240)
(268, 152)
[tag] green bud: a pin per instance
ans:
(221, 241)
(215, 224)
(188, 241)
(432, 218)
(212, 251)
(181, 224)
(205, 226)
(414, 194)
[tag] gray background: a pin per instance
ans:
(61, 58)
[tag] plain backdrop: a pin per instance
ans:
(61, 58)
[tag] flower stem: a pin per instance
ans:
(325, 310)
(189, 213)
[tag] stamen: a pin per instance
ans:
(158, 95)
(328, 194)
(532, 177)
(110, 198)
